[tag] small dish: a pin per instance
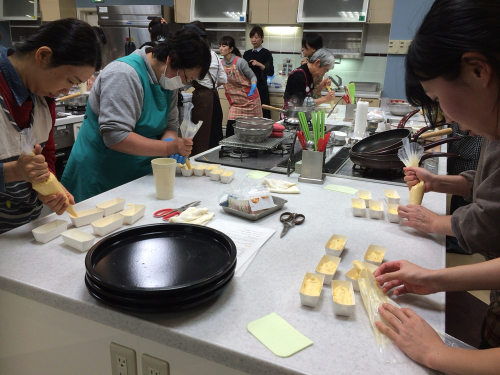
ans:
(358, 206)
(341, 307)
(216, 173)
(78, 239)
(87, 216)
(187, 172)
(112, 206)
(49, 231)
(199, 169)
(327, 267)
(376, 209)
(392, 213)
(310, 289)
(133, 213)
(107, 224)
(366, 195)
(335, 245)
(375, 254)
(178, 168)
(227, 176)
(353, 275)
(210, 168)
(392, 196)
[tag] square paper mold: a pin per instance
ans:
(216, 173)
(327, 273)
(112, 206)
(49, 231)
(227, 176)
(393, 217)
(392, 196)
(199, 169)
(87, 216)
(358, 206)
(133, 213)
(366, 195)
(307, 299)
(374, 250)
(376, 209)
(187, 172)
(178, 168)
(78, 239)
(352, 275)
(338, 307)
(107, 224)
(210, 168)
(334, 240)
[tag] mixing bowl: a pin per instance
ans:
(253, 129)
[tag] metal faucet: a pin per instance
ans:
(338, 84)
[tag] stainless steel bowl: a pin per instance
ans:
(400, 109)
(253, 129)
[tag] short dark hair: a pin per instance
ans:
(154, 21)
(186, 51)
(314, 40)
(73, 42)
(159, 31)
(437, 48)
(229, 41)
(257, 30)
(100, 35)
(203, 35)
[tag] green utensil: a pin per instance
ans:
(352, 92)
(305, 127)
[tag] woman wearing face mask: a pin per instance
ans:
(241, 87)
(132, 109)
(57, 56)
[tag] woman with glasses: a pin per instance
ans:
(132, 111)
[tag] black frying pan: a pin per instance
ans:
(389, 162)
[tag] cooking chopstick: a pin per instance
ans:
(206, 158)
(188, 164)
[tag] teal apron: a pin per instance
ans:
(94, 168)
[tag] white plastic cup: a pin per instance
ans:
(164, 174)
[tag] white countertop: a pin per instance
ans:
(53, 274)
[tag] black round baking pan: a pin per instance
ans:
(170, 259)
(162, 308)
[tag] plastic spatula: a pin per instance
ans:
(352, 92)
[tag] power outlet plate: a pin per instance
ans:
(398, 47)
(154, 366)
(123, 360)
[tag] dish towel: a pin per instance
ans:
(281, 187)
(193, 215)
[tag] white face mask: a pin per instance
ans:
(171, 83)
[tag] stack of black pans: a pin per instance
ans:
(160, 267)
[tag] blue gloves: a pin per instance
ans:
(252, 89)
(179, 158)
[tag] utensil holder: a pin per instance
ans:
(312, 167)
(349, 112)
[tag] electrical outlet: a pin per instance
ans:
(154, 366)
(398, 47)
(122, 360)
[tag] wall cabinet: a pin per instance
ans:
(332, 11)
(16, 10)
(223, 11)
(380, 11)
(275, 12)
(53, 10)
(182, 9)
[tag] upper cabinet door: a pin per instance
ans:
(219, 10)
(332, 10)
(18, 10)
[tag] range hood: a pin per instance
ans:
(346, 40)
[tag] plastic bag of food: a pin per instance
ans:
(250, 197)
(188, 129)
(51, 185)
(410, 154)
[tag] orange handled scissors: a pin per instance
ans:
(167, 213)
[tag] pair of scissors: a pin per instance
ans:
(290, 220)
(167, 213)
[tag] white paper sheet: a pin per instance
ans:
(248, 239)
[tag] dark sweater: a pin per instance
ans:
(264, 57)
(296, 85)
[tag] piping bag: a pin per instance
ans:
(51, 185)
(410, 154)
(189, 129)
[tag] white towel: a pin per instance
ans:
(193, 215)
(281, 187)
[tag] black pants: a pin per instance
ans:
(229, 128)
(264, 98)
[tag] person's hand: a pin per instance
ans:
(406, 277)
(324, 83)
(180, 146)
(256, 63)
(178, 158)
(413, 175)
(418, 217)
(305, 60)
(57, 202)
(252, 89)
(330, 96)
(412, 334)
(31, 168)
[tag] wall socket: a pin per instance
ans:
(122, 360)
(154, 366)
(398, 47)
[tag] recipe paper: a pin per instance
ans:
(247, 238)
(278, 335)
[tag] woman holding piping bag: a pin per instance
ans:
(241, 87)
(456, 69)
(57, 56)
